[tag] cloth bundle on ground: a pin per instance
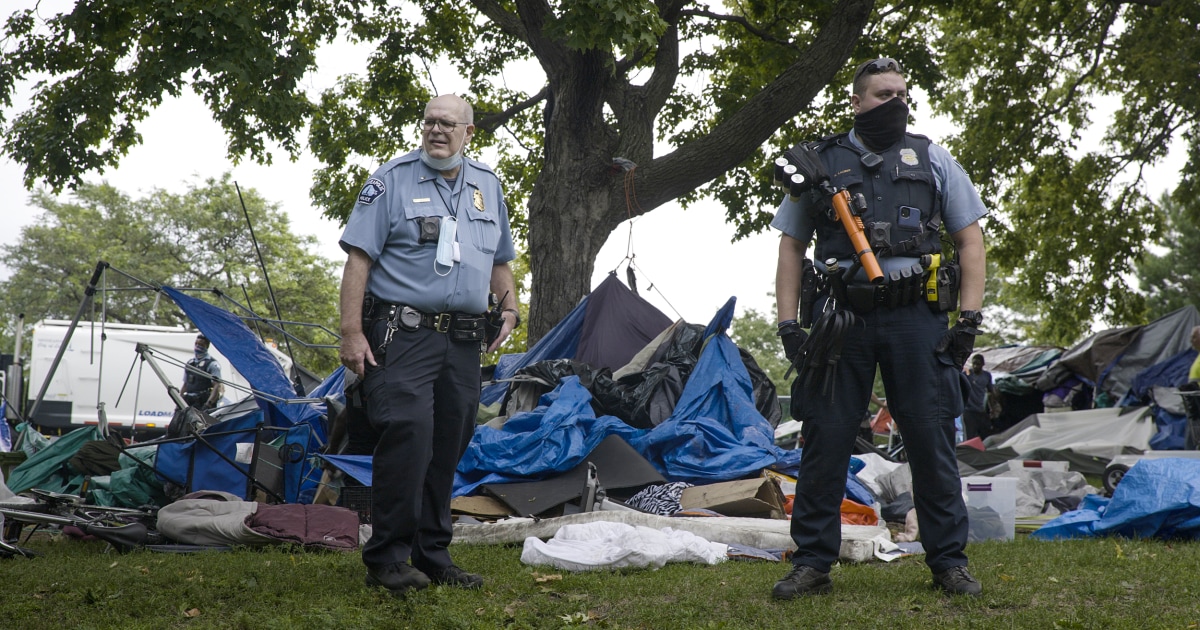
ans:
(229, 521)
(607, 545)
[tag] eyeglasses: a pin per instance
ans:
(879, 65)
(442, 125)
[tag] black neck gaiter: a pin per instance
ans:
(883, 125)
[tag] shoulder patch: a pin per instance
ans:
(371, 191)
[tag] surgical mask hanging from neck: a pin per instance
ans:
(883, 125)
(441, 164)
(447, 247)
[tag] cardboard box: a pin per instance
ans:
(755, 498)
(991, 507)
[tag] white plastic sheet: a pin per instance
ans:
(608, 545)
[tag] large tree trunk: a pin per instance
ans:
(569, 205)
(580, 198)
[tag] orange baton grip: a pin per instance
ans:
(854, 229)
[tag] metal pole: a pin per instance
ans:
(88, 293)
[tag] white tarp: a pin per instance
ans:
(858, 541)
(1100, 432)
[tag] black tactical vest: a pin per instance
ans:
(197, 385)
(904, 210)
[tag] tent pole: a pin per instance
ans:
(88, 294)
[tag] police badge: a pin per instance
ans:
(478, 198)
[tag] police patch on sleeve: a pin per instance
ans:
(371, 191)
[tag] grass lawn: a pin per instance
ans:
(1099, 583)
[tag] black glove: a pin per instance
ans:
(792, 336)
(959, 342)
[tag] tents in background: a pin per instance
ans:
(1110, 360)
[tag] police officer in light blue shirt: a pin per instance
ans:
(912, 192)
(427, 240)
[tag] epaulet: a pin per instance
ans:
(480, 166)
(919, 137)
(407, 158)
(828, 141)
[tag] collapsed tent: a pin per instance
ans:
(715, 432)
(605, 330)
(285, 432)
(1110, 360)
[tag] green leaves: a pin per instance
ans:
(198, 239)
(607, 25)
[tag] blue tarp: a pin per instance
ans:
(560, 343)
(1156, 498)
(715, 433)
(1172, 372)
(303, 424)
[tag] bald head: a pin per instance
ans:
(453, 103)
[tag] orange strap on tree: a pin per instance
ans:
(853, 225)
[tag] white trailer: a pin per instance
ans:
(101, 361)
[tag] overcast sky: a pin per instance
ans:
(686, 264)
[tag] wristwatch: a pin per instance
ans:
(517, 323)
(974, 318)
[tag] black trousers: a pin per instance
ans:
(422, 399)
(924, 397)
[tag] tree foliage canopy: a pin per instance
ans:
(1171, 275)
(699, 96)
(195, 240)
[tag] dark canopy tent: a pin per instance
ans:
(605, 330)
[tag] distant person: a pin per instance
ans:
(1194, 373)
(976, 421)
(426, 241)
(914, 192)
(201, 391)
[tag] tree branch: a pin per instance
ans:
(492, 122)
(700, 161)
(510, 24)
(740, 20)
(550, 54)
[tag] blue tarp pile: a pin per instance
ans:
(714, 434)
(1157, 498)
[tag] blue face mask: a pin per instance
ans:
(200, 350)
(441, 164)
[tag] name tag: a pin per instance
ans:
(421, 200)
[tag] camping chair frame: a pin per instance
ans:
(272, 485)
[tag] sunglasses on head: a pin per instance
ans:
(883, 64)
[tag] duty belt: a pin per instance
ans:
(459, 327)
(374, 308)
(900, 289)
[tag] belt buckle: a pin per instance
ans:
(441, 322)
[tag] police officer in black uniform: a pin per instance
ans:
(202, 386)
(911, 190)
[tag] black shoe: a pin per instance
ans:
(454, 576)
(399, 579)
(957, 581)
(802, 580)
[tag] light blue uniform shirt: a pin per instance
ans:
(385, 224)
(962, 205)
